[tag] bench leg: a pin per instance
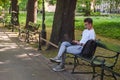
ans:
(19, 33)
(102, 74)
(114, 76)
(76, 62)
(93, 72)
(27, 37)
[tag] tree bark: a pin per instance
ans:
(31, 12)
(63, 20)
(15, 12)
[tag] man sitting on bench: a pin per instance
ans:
(74, 47)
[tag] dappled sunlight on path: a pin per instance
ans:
(5, 42)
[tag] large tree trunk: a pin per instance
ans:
(15, 12)
(31, 12)
(63, 20)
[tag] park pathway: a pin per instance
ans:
(19, 61)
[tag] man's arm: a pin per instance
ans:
(77, 42)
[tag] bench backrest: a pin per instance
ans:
(109, 46)
(33, 26)
(89, 49)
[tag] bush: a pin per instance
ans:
(109, 29)
(95, 13)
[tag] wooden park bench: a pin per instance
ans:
(1, 19)
(31, 32)
(87, 55)
(8, 24)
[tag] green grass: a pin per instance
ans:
(22, 18)
(48, 18)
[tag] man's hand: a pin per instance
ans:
(74, 41)
(77, 42)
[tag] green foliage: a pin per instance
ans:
(22, 4)
(109, 29)
(52, 2)
(95, 14)
(22, 17)
(80, 8)
(4, 4)
(84, 6)
(39, 4)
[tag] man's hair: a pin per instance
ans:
(89, 20)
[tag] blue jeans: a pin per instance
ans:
(67, 47)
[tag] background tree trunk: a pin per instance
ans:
(63, 20)
(15, 12)
(87, 10)
(93, 5)
(31, 12)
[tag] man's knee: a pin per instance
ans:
(65, 43)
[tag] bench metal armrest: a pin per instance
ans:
(105, 56)
(106, 62)
(98, 60)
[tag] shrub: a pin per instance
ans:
(95, 13)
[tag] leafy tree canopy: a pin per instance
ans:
(52, 2)
(4, 3)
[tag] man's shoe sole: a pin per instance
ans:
(55, 61)
(58, 70)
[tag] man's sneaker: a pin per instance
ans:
(59, 68)
(56, 59)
